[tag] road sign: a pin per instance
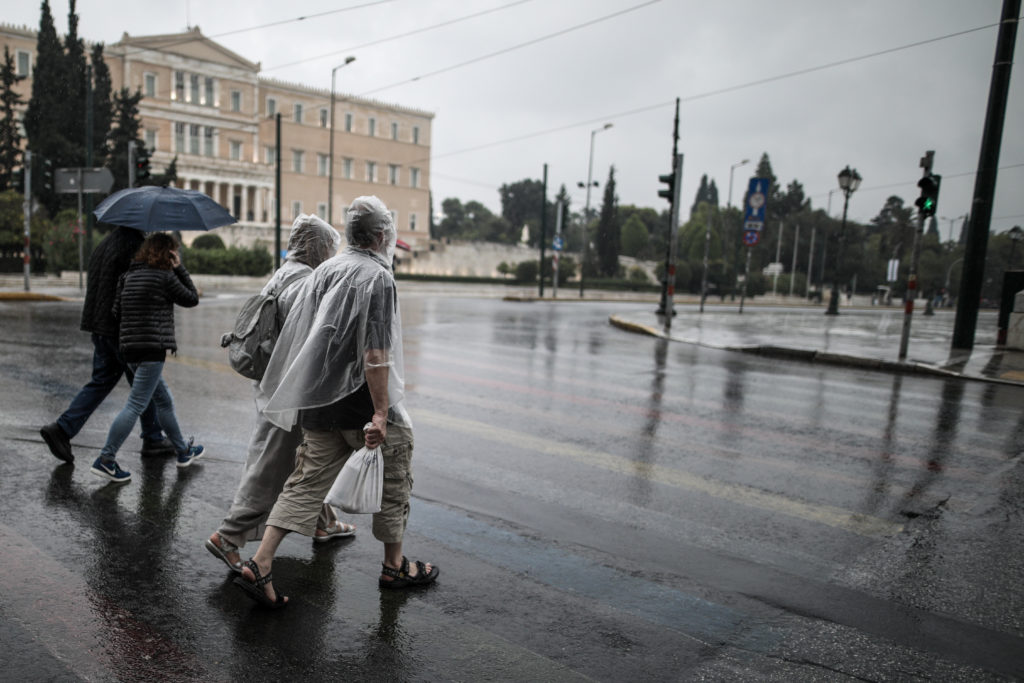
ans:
(754, 225)
(751, 237)
(757, 200)
(93, 180)
(556, 244)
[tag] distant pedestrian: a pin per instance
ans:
(109, 260)
(144, 304)
(338, 366)
(271, 456)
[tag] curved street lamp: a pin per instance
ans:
(586, 211)
(330, 161)
(1016, 234)
(849, 181)
(731, 169)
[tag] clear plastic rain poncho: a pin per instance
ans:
(311, 242)
(348, 306)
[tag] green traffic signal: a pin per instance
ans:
(929, 199)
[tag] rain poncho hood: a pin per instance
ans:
(346, 307)
(312, 241)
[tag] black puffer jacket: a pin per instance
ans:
(109, 261)
(145, 305)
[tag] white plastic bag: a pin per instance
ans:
(359, 485)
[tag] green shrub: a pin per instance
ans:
(208, 241)
(254, 261)
(526, 271)
(60, 242)
(638, 275)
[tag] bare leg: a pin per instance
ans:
(264, 558)
(393, 559)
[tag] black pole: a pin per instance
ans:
(88, 158)
(663, 305)
(277, 195)
(972, 276)
(543, 227)
(833, 301)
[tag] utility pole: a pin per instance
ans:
(27, 212)
(926, 207)
(792, 272)
(810, 263)
(277, 192)
(543, 226)
(663, 306)
(973, 274)
(670, 270)
(704, 277)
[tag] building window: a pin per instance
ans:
(392, 174)
(179, 138)
(297, 158)
(321, 210)
(322, 162)
(414, 177)
(149, 83)
(179, 86)
(24, 65)
(193, 139)
(371, 171)
(415, 135)
(151, 139)
(373, 126)
(236, 100)
(236, 150)
(298, 112)
(193, 90)
(269, 154)
(394, 130)
(296, 209)
(412, 221)
(271, 106)
(348, 123)
(208, 140)
(347, 169)
(208, 97)
(394, 217)
(324, 113)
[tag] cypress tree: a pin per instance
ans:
(609, 235)
(75, 86)
(10, 137)
(124, 131)
(103, 108)
(43, 118)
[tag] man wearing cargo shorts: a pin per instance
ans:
(338, 370)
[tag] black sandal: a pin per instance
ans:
(400, 577)
(254, 589)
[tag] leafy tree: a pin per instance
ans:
(169, 176)
(10, 137)
(895, 226)
(521, 205)
(75, 86)
(634, 236)
(609, 237)
(102, 106)
(707, 192)
(472, 221)
(44, 118)
(125, 132)
(208, 241)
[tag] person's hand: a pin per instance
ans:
(376, 431)
(175, 259)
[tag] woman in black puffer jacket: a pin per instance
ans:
(145, 300)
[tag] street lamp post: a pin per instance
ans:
(731, 169)
(952, 222)
(1016, 234)
(849, 181)
(586, 210)
(330, 154)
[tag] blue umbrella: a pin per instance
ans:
(152, 209)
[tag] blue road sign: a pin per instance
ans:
(556, 244)
(751, 237)
(757, 200)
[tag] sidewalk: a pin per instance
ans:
(861, 337)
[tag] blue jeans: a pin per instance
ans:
(148, 387)
(107, 368)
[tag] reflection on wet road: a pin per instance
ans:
(602, 505)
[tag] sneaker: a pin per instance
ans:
(111, 471)
(191, 453)
(58, 441)
(161, 447)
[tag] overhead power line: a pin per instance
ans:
(512, 48)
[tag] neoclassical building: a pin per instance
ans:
(209, 107)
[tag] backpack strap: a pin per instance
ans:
(294, 277)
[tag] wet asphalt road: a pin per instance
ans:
(602, 505)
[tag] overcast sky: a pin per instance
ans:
(566, 67)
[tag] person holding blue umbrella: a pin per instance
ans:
(155, 282)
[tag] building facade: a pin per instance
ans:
(209, 108)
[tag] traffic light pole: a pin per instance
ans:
(911, 293)
(27, 211)
(670, 270)
(664, 303)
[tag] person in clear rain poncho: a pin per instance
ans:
(271, 455)
(338, 366)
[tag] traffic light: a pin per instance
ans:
(668, 192)
(141, 164)
(929, 199)
(47, 167)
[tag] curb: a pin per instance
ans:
(839, 359)
(30, 296)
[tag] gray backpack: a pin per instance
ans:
(252, 341)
